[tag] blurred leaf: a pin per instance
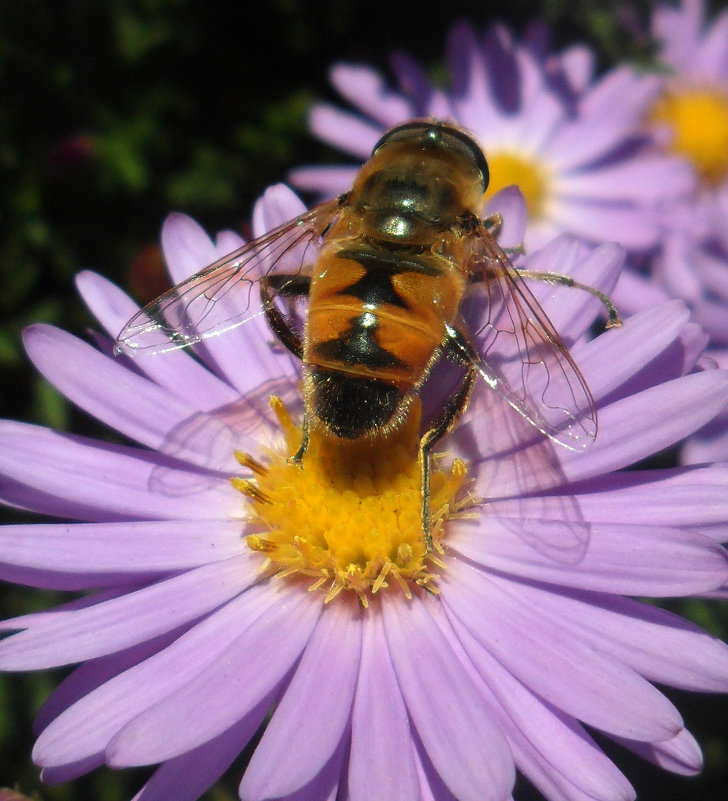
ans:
(50, 408)
(8, 350)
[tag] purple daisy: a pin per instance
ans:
(387, 672)
(569, 140)
(690, 118)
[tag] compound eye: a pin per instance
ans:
(468, 146)
(402, 133)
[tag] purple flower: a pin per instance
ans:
(694, 102)
(690, 117)
(569, 140)
(388, 672)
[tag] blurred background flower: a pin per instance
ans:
(690, 119)
(633, 155)
(115, 113)
(572, 143)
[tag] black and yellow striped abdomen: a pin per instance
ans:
(376, 320)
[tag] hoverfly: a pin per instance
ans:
(384, 270)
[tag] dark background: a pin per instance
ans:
(113, 113)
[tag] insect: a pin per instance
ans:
(369, 291)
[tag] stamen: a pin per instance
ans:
(349, 516)
(250, 489)
(290, 429)
(246, 460)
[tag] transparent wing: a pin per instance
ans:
(521, 355)
(203, 446)
(224, 295)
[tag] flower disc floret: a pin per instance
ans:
(698, 120)
(349, 515)
(514, 169)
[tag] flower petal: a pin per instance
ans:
(327, 785)
(104, 387)
(121, 622)
(701, 450)
(565, 672)
(620, 97)
(276, 206)
(67, 773)
(572, 310)
(510, 204)
(674, 410)
(658, 645)
(365, 87)
(177, 372)
(681, 754)
(465, 745)
(186, 777)
(551, 748)
(101, 482)
(635, 228)
(143, 678)
(312, 716)
(188, 249)
(627, 559)
(627, 350)
(346, 131)
(678, 29)
(250, 666)
(381, 760)
(690, 497)
(645, 179)
(325, 180)
(89, 676)
(91, 550)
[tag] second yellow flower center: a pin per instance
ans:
(349, 516)
(508, 168)
(699, 121)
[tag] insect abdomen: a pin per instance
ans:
(375, 321)
(374, 313)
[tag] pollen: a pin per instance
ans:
(508, 168)
(698, 118)
(348, 518)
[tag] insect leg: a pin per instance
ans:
(457, 346)
(613, 318)
(493, 223)
(285, 286)
(300, 453)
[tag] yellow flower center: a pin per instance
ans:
(349, 516)
(699, 121)
(508, 168)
